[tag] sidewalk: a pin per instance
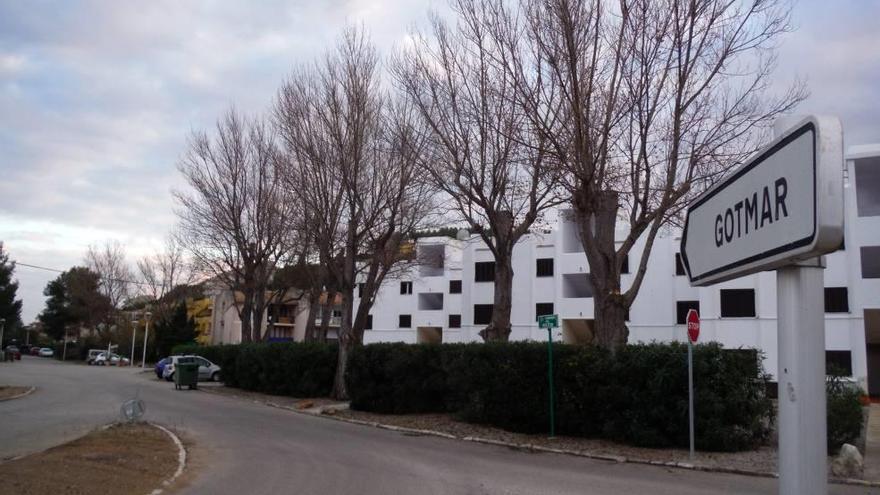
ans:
(872, 444)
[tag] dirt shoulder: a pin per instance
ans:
(133, 458)
(9, 392)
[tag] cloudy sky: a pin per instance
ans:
(97, 99)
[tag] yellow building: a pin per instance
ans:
(200, 310)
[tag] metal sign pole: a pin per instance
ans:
(691, 394)
(801, 378)
(550, 378)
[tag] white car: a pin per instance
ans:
(207, 369)
(46, 352)
(115, 360)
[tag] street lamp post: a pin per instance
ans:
(134, 325)
(147, 317)
(2, 329)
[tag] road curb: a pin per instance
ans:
(181, 459)
(319, 412)
(29, 391)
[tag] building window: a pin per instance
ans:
(836, 300)
(406, 288)
(737, 303)
(576, 285)
(369, 324)
(542, 309)
(679, 265)
(454, 321)
(431, 301)
(839, 362)
(361, 287)
(455, 286)
(404, 321)
(682, 308)
(624, 267)
(544, 267)
(870, 261)
(482, 314)
(484, 271)
(868, 186)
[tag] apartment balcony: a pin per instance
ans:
(335, 321)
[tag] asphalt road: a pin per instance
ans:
(247, 448)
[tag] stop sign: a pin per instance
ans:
(693, 325)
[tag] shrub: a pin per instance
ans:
(397, 378)
(844, 411)
(638, 396)
(294, 369)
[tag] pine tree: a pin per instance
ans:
(178, 329)
(10, 307)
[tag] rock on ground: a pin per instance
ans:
(849, 463)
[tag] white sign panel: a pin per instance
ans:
(783, 205)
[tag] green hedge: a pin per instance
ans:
(294, 369)
(397, 378)
(638, 396)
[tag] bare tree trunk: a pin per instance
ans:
(311, 334)
(499, 328)
(347, 341)
(258, 321)
(597, 230)
(244, 316)
(326, 312)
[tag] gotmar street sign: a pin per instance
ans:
(785, 204)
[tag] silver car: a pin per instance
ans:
(207, 369)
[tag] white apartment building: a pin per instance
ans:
(449, 298)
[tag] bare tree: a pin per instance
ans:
(235, 219)
(162, 272)
(351, 164)
(116, 277)
(642, 104)
(483, 153)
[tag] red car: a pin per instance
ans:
(35, 351)
(16, 354)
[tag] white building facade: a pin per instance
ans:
(450, 298)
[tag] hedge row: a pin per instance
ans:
(638, 396)
(294, 369)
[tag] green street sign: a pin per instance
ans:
(548, 321)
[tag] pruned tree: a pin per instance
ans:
(482, 151)
(641, 104)
(234, 219)
(110, 263)
(352, 163)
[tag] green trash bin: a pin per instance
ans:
(186, 374)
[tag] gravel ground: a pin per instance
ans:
(8, 392)
(122, 459)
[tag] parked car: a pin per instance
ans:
(160, 367)
(207, 369)
(115, 360)
(46, 352)
(35, 351)
(93, 354)
(13, 350)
